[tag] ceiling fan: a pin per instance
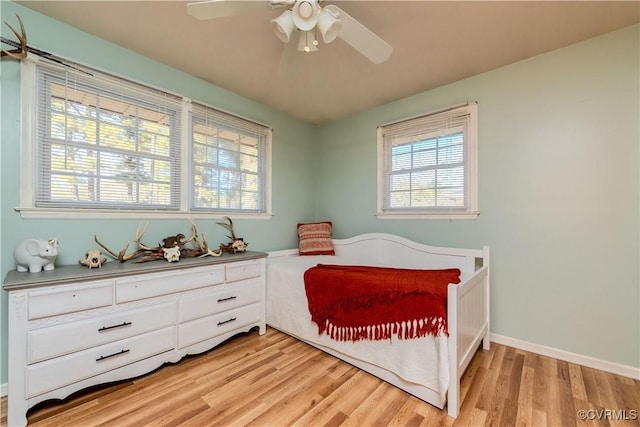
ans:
(306, 18)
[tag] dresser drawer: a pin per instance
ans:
(244, 270)
(68, 299)
(215, 302)
(208, 327)
(55, 341)
(65, 370)
(150, 285)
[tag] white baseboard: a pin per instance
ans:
(591, 362)
(3, 390)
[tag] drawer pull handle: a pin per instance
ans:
(106, 328)
(233, 319)
(227, 299)
(112, 355)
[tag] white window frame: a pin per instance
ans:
(418, 124)
(241, 135)
(28, 166)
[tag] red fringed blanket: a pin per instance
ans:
(353, 303)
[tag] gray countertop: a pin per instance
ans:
(73, 273)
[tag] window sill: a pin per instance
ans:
(470, 215)
(60, 213)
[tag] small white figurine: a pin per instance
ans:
(35, 255)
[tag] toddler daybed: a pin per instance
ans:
(428, 366)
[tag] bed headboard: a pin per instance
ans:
(395, 251)
(388, 250)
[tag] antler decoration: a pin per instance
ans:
(203, 249)
(237, 244)
(171, 249)
(122, 255)
(20, 53)
(22, 49)
(228, 227)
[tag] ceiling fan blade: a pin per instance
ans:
(360, 37)
(212, 9)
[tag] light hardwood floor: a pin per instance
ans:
(275, 380)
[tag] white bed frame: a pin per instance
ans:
(468, 302)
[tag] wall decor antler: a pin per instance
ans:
(21, 49)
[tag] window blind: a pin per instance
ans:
(104, 142)
(425, 163)
(229, 161)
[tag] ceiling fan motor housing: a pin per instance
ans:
(305, 14)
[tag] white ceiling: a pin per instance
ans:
(434, 42)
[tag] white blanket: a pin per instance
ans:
(422, 361)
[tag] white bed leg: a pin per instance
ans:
(453, 393)
(453, 398)
(486, 261)
(486, 342)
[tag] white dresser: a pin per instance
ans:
(72, 327)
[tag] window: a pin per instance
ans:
(105, 143)
(228, 161)
(427, 165)
(99, 144)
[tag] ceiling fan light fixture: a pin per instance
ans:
(306, 16)
(283, 26)
(329, 26)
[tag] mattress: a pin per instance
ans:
(423, 361)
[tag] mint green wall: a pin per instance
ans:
(293, 164)
(559, 182)
(558, 192)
